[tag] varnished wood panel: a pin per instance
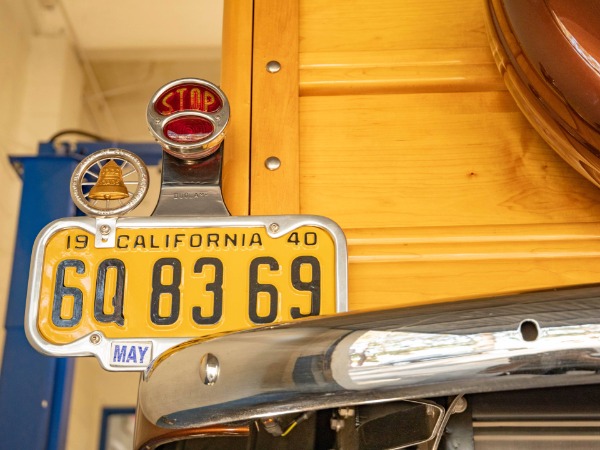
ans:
(452, 159)
(275, 108)
(367, 26)
(236, 83)
(398, 71)
(407, 137)
(408, 266)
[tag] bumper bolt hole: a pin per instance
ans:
(529, 330)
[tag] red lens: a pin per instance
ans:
(188, 97)
(188, 129)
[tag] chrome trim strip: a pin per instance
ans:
(83, 347)
(418, 352)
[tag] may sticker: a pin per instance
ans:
(130, 353)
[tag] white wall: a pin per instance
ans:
(15, 47)
(48, 82)
(127, 86)
(41, 85)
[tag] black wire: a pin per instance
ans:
(93, 136)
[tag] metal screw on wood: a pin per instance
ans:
(272, 163)
(273, 66)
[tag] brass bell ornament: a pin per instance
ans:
(110, 184)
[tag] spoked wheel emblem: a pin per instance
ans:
(109, 182)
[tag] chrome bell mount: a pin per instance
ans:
(109, 182)
(187, 117)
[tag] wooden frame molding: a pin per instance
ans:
(275, 109)
(236, 69)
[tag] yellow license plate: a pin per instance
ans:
(167, 279)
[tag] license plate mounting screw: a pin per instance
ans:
(105, 229)
(95, 339)
(274, 227)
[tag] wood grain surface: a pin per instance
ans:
(275, 108)
(236, 82)
(408, 138)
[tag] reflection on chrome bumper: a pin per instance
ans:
(538, 339)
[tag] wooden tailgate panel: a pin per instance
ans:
(410, 141)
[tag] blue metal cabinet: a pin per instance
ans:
(35, 389)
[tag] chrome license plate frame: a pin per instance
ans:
(136, 352)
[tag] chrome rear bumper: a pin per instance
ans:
(536, 339)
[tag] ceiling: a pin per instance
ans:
(129, 48)
(126, 29)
